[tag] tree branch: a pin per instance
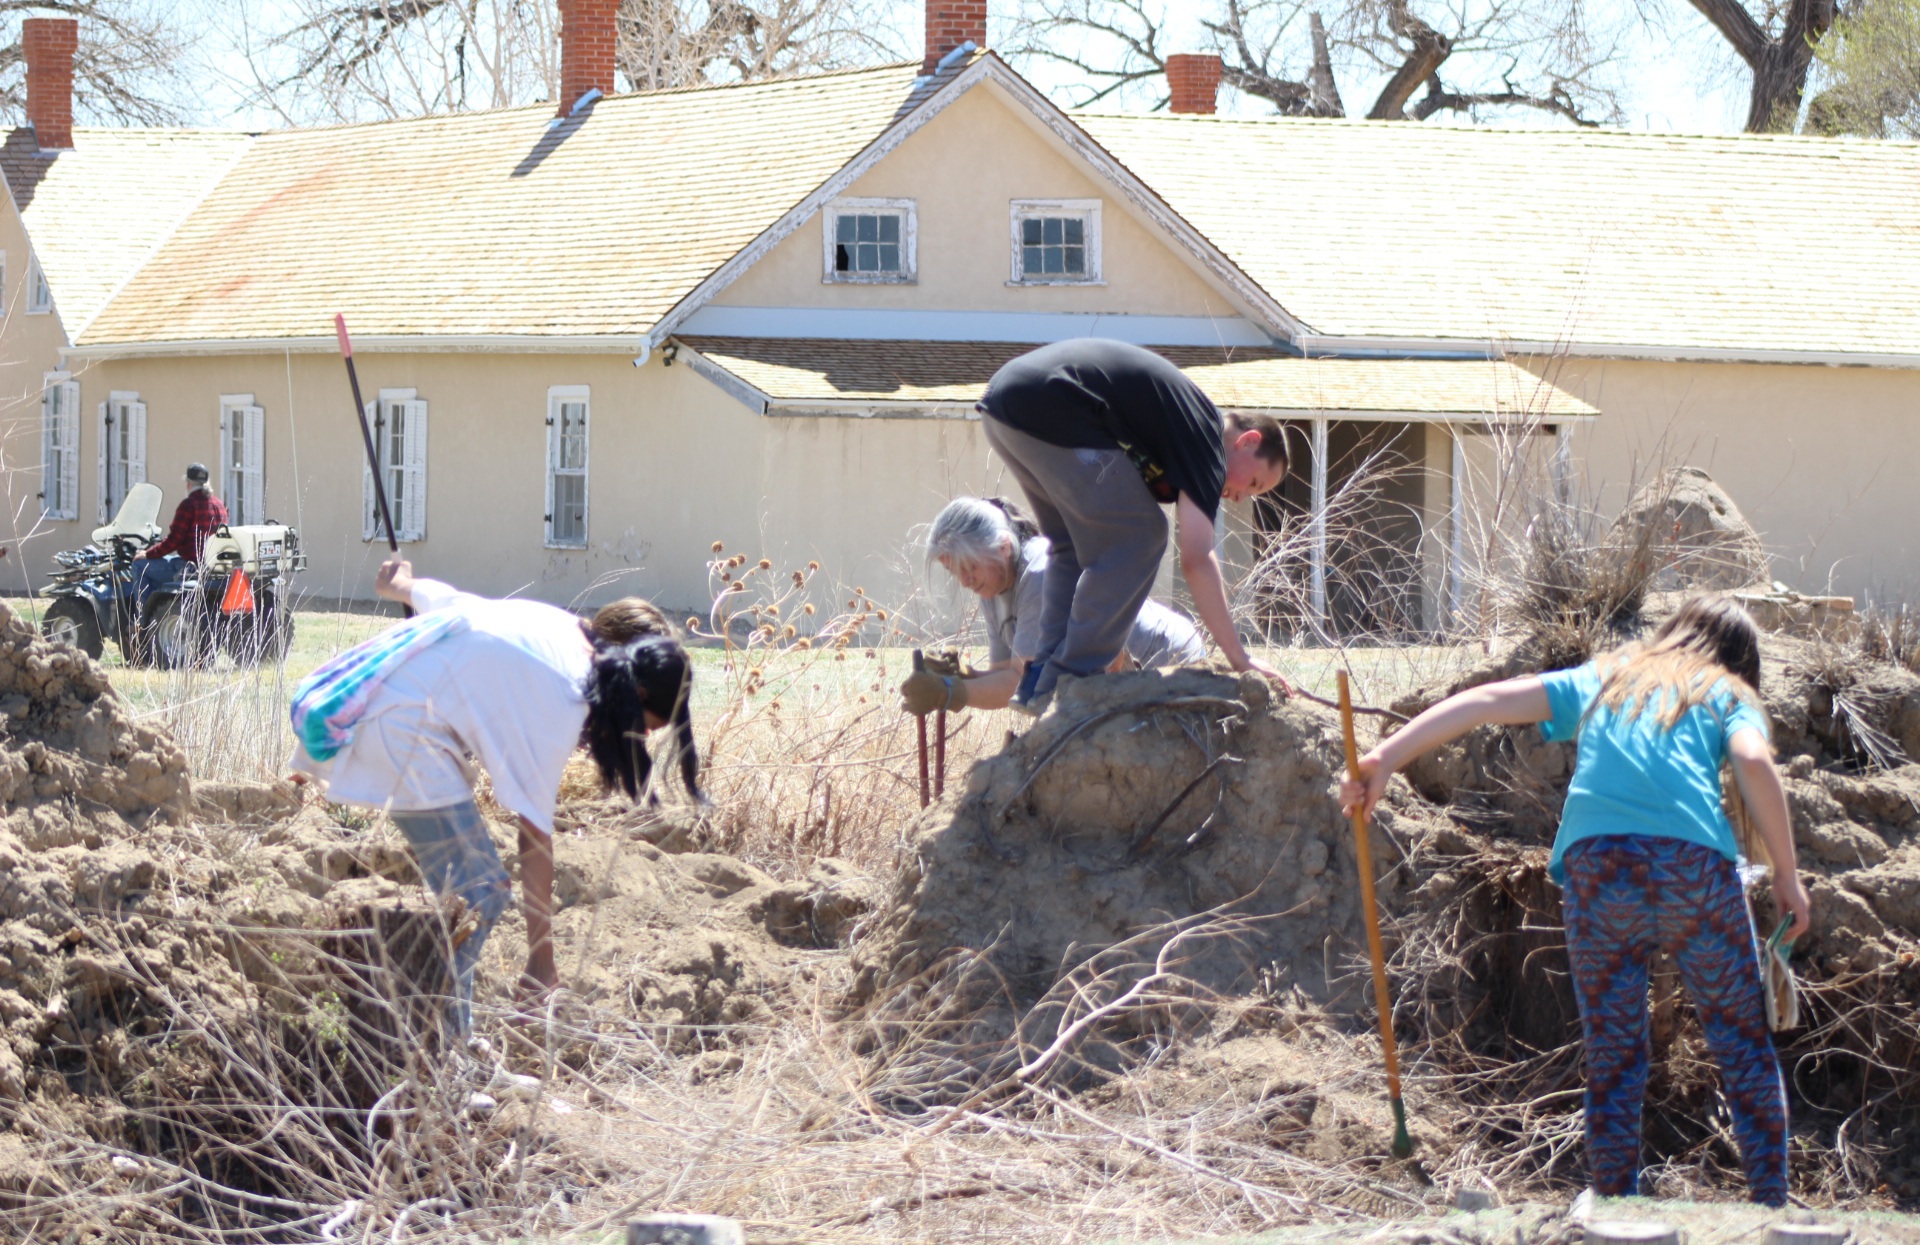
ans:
(1730, 18)
(1428, 50)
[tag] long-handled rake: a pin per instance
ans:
(1383, 1003)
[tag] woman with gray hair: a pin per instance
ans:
(997, 552)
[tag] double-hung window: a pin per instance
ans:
(39, 293)
(243, 458)
(60, 447)
(1056, 242)
(567, 467)
(872, 241)
(123, 450)
(399, 420)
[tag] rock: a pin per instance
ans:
(685, 1230)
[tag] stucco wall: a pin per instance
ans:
(1820, 459)
(29, 349)
(963, 169)
(674, 465)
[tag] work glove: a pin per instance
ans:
(924, 692)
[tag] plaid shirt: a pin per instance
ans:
(198, 514)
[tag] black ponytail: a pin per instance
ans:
(627, 680)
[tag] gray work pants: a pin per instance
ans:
(1106, 536)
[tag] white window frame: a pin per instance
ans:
(118, 472)
(406, 479)
(558, 396)
(1088, 210)
(243, 482)
(39, 293)
(908, 213)
(60, 447)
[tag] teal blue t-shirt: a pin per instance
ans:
(1636, 777)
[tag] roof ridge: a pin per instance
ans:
(546, 106)
(1854, 142)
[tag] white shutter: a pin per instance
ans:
(106, 450)
(253, 474)
(413, 468)
(553, 457)
(70, 451)
(136, 444)
(369, 508)
(49, 449)
(225, 477)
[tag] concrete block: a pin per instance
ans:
(685, 1230)
(1805, 1234)
(1634, 1232)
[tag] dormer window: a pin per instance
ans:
(1056, 242)
(870, 241)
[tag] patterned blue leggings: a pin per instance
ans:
(1627, 897)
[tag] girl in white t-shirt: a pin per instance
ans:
(519, 685)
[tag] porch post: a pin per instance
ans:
(1456, 525)
(1318, 578)
(1563, 463)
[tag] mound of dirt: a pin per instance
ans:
(1698, 537)
(1138, 801)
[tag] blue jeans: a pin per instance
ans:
(150, 575)
(456, 857)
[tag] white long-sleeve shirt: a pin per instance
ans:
(509, 688)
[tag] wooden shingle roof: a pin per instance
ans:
(1740, 243)
(95, 213)
(497, 223)
(796, 372)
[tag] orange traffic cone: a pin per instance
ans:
(239, 598)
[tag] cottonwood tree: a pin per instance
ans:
(1870, 64)
(1776, 39)
(349, 60)
(1436, 56)
(126, 69)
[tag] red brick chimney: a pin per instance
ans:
(49, 44)
(951, 23)
(587, 38)
(1194, 79)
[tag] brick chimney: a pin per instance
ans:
(49, 44)
(1194, 79)
(587, 38)
(951, 23)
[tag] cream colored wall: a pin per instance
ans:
(963, 169)
(30, 348)
(1821, 460)
(675, 464)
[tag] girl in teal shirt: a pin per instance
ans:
(1649, 863)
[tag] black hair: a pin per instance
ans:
(651, 673)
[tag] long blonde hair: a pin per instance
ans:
(1709, 648)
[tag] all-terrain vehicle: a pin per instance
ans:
(233, 599)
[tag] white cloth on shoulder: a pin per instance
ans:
(509, 689)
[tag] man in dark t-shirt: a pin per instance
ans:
(1100, 435)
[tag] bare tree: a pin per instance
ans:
(1776, 39)
(126, 69)
(350, 59)
(1438, 56)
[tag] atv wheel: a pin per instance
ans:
(71, 621)
(175, 637)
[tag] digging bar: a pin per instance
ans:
(1382, 1002)
(366, 435)
(920, 724)
(939, 753)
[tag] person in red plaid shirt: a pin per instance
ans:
(194, 519)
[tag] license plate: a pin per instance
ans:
(269, 548)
